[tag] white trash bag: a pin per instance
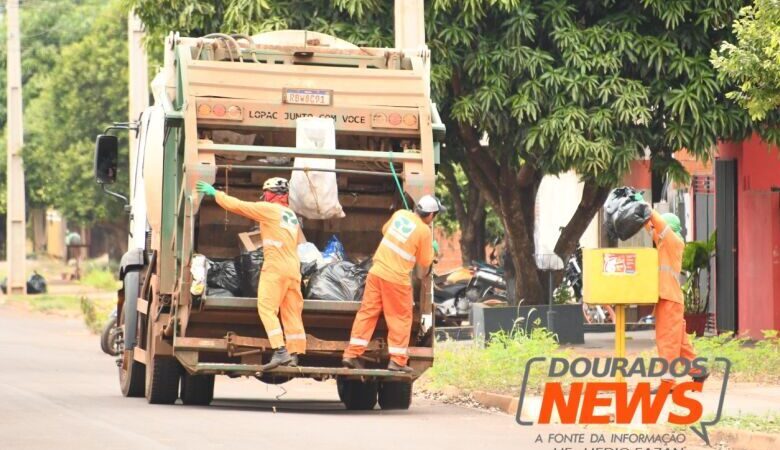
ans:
(315, 195)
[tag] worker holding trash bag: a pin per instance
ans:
(407, 240)
(280, 280)
(626, 213)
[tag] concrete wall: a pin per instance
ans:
(758, 229)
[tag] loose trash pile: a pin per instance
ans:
(326, 276)
(625, 213)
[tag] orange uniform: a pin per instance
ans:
(407, 241)
(670, 337)
(280, 277)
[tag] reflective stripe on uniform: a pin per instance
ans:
(398, 250)
(358, 341)
(272, 243)
(665, 268)
(662, 234)
(275, 332)
(396, 350)
(300, 336)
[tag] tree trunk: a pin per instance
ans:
(593, 198)
(471, 215)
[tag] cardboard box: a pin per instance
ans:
(249, 241)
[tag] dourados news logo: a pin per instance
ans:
(600, 400)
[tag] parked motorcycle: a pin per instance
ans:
(453, 300)
(593, 314)
(112, 337)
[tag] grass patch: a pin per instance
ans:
(101, 278)
(48, 303)
(96, 312)
(751, 360)
(769, 423)
(497, 367)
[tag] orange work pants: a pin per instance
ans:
(670, 336)
(277, 293)
(397, 302)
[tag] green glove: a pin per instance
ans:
(435, 247)
(205, 188)
(638, 197)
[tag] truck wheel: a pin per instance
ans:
(197, 389)
(105, 338)
(395, 395)
(162, 380)
(132, 374)
(356, 395)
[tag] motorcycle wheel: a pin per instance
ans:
(105, 337)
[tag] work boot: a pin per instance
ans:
(280, 358)
(395, 367)
(664, 381)
(352, 363)
(701, 377)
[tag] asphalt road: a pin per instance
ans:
(58, 390)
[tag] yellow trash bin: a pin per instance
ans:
(620, 276)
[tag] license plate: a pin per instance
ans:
(318, 97)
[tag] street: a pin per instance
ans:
(59, 390)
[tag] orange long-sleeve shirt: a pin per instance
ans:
(279, 228)
(670, 252)
(407, 241)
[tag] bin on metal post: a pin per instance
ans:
(620, 277)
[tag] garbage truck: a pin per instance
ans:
(225, 111)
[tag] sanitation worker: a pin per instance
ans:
(670, 336)
(407, 240)
(280, 277)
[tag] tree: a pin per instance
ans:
(46, 27)
(753, 63)
(83, 93)
(528, 89)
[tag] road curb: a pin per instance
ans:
(503, 403)
(745, 439)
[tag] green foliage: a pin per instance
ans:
(498, 367)
(767, 423)
(83, 93)
(101, 279)
(751, 361)
(696, 261)
(752, 62)
(447, 220)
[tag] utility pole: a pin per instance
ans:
(16, 236)
(138, 79)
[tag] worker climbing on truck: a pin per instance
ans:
(280, 278)
(671, 340)
(407, 240)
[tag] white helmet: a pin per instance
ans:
(276, 185)
(429, 204)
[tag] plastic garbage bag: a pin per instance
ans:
(334, 251)
(624, 216)
(218, 292)
(250, 265)
(308, 253)
(340, 280)
(4, 285)
(224, 275)
(36, 284)
(315, 194)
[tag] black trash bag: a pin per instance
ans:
(4, 285)
(361, 272)
(308, 269)
(36, 284)
(224, 275)
(624, 216)
(219, 292)
(340, 280)
(250, 265)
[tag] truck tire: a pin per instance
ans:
(132, 374)
(395, 395)
(356, 395)
(197, 389)
(105, 337)
(162, 380)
